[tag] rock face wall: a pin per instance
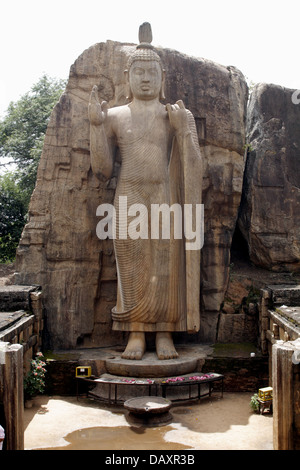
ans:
(270, 209)
(59, 249)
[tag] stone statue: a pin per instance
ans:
(158, 278)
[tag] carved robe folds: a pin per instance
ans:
(158, 279)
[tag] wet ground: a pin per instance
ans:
(214, 423)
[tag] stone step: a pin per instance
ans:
(8, 319)
(15, 297)
(285, 294)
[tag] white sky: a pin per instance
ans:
(260, 37)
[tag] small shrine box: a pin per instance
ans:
(83, 371)
(265, 394)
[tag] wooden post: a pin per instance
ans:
(282, 372)
(13, 400)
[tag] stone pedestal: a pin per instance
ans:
(120, 379)
(150, 366)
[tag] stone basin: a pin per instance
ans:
(148, 411)
(148, 405)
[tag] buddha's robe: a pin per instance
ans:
(158, 280)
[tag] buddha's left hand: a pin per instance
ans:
(178, 117)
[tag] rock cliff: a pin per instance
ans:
(270, 209)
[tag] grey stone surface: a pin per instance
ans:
(8, 319)
(150, 366)
(283, 294)
(292, 314)
(270, 209)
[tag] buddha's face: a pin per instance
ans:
(145, 79)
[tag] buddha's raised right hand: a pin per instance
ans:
(97, 111)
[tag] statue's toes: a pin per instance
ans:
(167, 354)
(132, 354)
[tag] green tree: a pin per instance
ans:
(22, 133)
(12, 216)
(23, 129)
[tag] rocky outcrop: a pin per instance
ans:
(238, 319)
(59, 249)
(270, 209)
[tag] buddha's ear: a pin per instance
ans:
(128, 89)
(163, 81)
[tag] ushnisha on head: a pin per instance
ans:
(145, 52)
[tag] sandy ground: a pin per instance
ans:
(214, 423)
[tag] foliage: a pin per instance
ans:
(254, 403)
(23, 129)
(12, 216)
(22, 133)
(34, 382)
(248, 147)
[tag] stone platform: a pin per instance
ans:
(151, 366)
(117, 389)
(242, 372)
(136, 376)
(109, 360)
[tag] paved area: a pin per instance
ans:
(214, 423)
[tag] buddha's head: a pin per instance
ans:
(145, 74)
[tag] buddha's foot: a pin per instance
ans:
(135, 347)
(165, 348)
